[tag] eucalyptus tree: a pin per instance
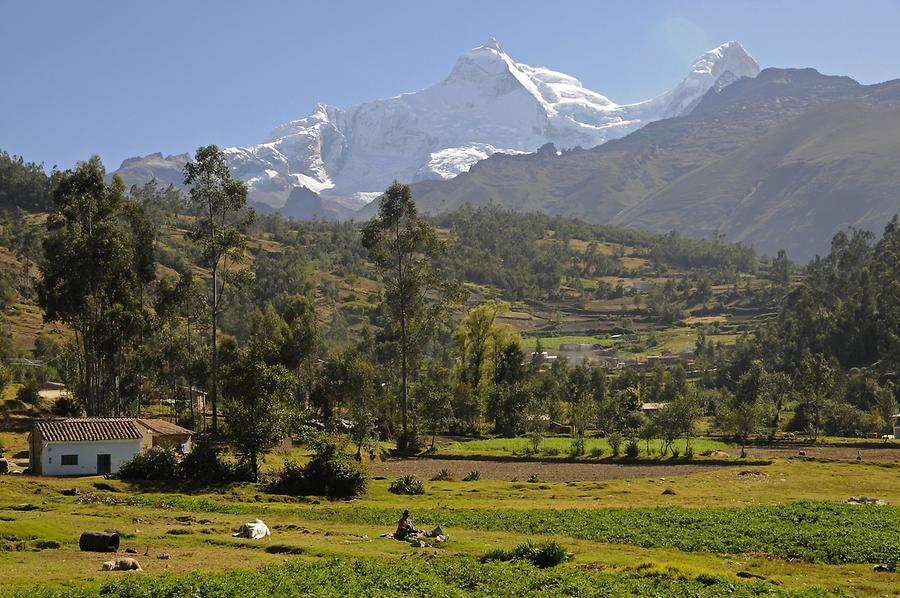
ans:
(220, 203)
(403, 247)
(93, 268)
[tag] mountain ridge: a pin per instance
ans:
(488, 104)
(622, 179)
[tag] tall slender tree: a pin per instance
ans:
(221, 215)
(403, 246)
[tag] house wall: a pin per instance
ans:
(119, 450)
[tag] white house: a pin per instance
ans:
(86, 446)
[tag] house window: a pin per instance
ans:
(69, 459)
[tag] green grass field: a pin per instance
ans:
(560, 445)
(786, 523)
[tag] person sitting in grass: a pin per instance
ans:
(404, 527)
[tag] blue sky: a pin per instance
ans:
(129, 78)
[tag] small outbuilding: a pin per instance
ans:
(97, 446)
(168, 435)
(85, 446)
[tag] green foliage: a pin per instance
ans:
(409, 442)
(542, 555)
(259, 403)
(67, 406)
(512, 251)
(330, 472)
(408, 484)
(205, 463)
(94, 266)
(508, 405)
(219, 200)
(434, 400)
(443, 475)
(846, 308)
(450, 576)
(816, 385)
(28, 393)
(154, 463)
(6, 377)
(24, 184)
(822, 532)
(632, 448)
(472, 476)
(403, 248)
(615, 443)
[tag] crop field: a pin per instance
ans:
(449, 577)
(778, 529)
(556, 445)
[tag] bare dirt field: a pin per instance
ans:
(522, 470)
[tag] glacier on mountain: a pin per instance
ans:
(488, 104)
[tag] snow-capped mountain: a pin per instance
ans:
(489, 103)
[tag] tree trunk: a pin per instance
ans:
(404, 346)
(190, 383)
(214, 386)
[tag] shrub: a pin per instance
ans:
(632, 449)
(291, 480)
(443, 475)
(408, 484)
(615, 443)
(67, 406)
(28, 394)
(675, 453)
(472, 476)
(551, 451)
(155, 463)
(596, 452)
(409, 442)
(331, 472)
(543, 555)
(533, 479)
(205, 464)
(577, 447)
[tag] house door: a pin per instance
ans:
(104, 464)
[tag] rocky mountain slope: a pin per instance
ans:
(741, 163)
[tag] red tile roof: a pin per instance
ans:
(165, 428)
(89, 429)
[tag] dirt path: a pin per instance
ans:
(521, 470)
(888, 453)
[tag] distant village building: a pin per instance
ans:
(576, 346)
(650, 408)
(195, 397)
(165, 434)
(51, 391)
(97, 446)
(610, 363)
